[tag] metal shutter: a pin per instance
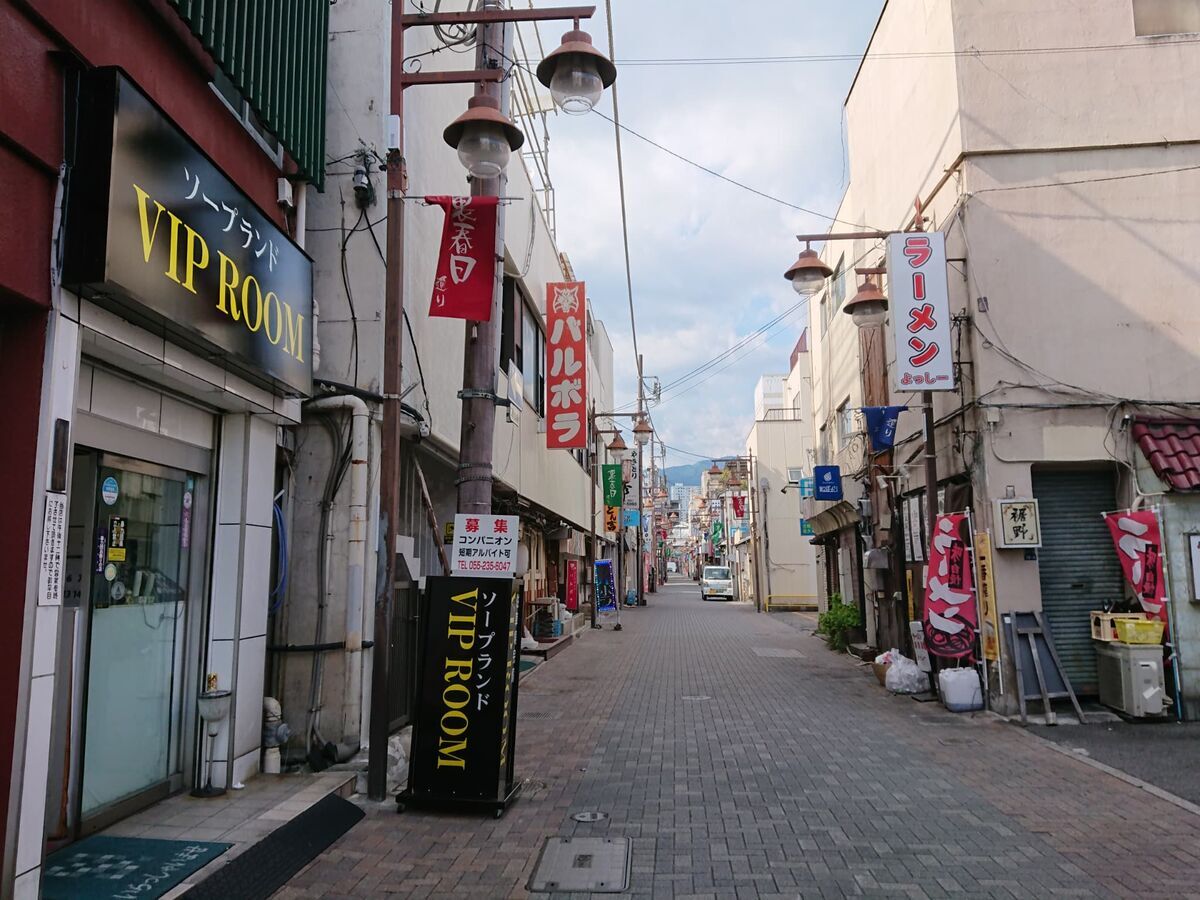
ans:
(1078, 566)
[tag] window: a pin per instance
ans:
(240, 107)
(533, 367)
(794, 475)
(837, 284)
(510, 325)
(845, 420)
(824, 315)
(1152, 18)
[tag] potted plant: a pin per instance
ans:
(838, 623)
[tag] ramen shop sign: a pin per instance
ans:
(161, 235)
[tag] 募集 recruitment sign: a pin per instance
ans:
(464, 732)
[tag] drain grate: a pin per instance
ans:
(539, 714)
(598, 865)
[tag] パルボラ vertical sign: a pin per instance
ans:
(920, 311)
(566, 365)
(463, 734)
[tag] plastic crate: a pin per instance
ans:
(1104, 625)
(1140, 631)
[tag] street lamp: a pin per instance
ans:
(807, 274)
(714, 470)
(617, 448)
(869, 306)
(642, 431)
(484, 137)
(576, 73)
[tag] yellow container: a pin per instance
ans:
(1139, 631)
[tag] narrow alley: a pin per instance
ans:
(744, 759)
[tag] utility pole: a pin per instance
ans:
(653, 519)
(641, 565)
(481, 356)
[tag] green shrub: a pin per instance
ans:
(837, 622)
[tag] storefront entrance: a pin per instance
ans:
(135, 551)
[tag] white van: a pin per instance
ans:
(717, 581)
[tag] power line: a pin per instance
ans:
(727, 179)
(897, 55)
(1096, 180)
(616, 120)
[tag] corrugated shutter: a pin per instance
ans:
(1078, 567)
(275, 52)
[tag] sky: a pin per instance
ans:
(707, 258)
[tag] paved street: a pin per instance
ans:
(746, 760)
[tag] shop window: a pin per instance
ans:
(510, 331)
(1153, 18)
(845, 423)
(837, 284)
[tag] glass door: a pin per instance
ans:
(141, 553)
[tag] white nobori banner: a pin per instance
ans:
(920, 305)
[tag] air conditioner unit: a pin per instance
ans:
(1130, 677)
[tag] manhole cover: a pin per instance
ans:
(778, 652)
(599, 865)
(590, 816)
(695, 697)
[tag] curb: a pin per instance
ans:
(1131, 780)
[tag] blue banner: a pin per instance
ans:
(630, 518)
(828, 482)
(881, 425)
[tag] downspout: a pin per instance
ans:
(356, 551)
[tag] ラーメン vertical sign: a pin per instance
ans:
(920, 311)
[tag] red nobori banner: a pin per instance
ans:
(950, 616)
(920, 302)
(566, 365)
(739, 507)
(1139, 547)
(466, 272)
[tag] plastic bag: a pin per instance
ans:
(905, 677)
(888, 657)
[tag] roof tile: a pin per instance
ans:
(1172, 447)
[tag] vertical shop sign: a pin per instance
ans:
(572, 586)
(485, 545)
(464, 732)
(566, 365)
(989, 617)
(612, 519)
(1138, 538)
(920, 299)
(949, 614)
(739, 507)
(613, 487)
(465, 282)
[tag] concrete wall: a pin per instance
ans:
(787, 558)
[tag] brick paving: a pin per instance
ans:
(743, 759)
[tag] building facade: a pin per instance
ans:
(1062, 184)
(157, 307)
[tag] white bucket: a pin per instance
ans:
(960, 689)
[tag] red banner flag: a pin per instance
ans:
(950, 616)
(572, 599)
(739, 507)
(566, 365)
(1139, 547)
(466, 272)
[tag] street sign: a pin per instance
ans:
(485, 545)
(611, 476)
(630, 518)
(807, 487)
(806, 529)
(612, 518)
(920, 305)
(828, 482)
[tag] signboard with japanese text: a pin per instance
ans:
(464, 731)
(1019, 523)
(807, 487)
(918, 642)
(920, 303)
(485, 545)
(949, 613)
(739, 507)
(54, 534)
(613, 486)
(806, 529)
(989, 616)
(571, 587)
(566, 365)
(1137, 535)
(465, 281)
(828, 482)
(163, 237)
(630, 518)
(612, 519)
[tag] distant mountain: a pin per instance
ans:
(689, 474)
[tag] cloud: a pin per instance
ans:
(706, 256)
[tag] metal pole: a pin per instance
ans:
(653, 519)
(389, 451)
(978, 606)
(592, 492)
(641, 565)
(481, 359)
(1172, 617)
(757, 505)
(931, 502)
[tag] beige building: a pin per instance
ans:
(1059, 152)
(781, 445)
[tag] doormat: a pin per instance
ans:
(103, 867)
(268, 865)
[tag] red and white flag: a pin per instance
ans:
(1139, 547)
(466, 274)
(566, 365)
(950, 616)
(739, 507)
